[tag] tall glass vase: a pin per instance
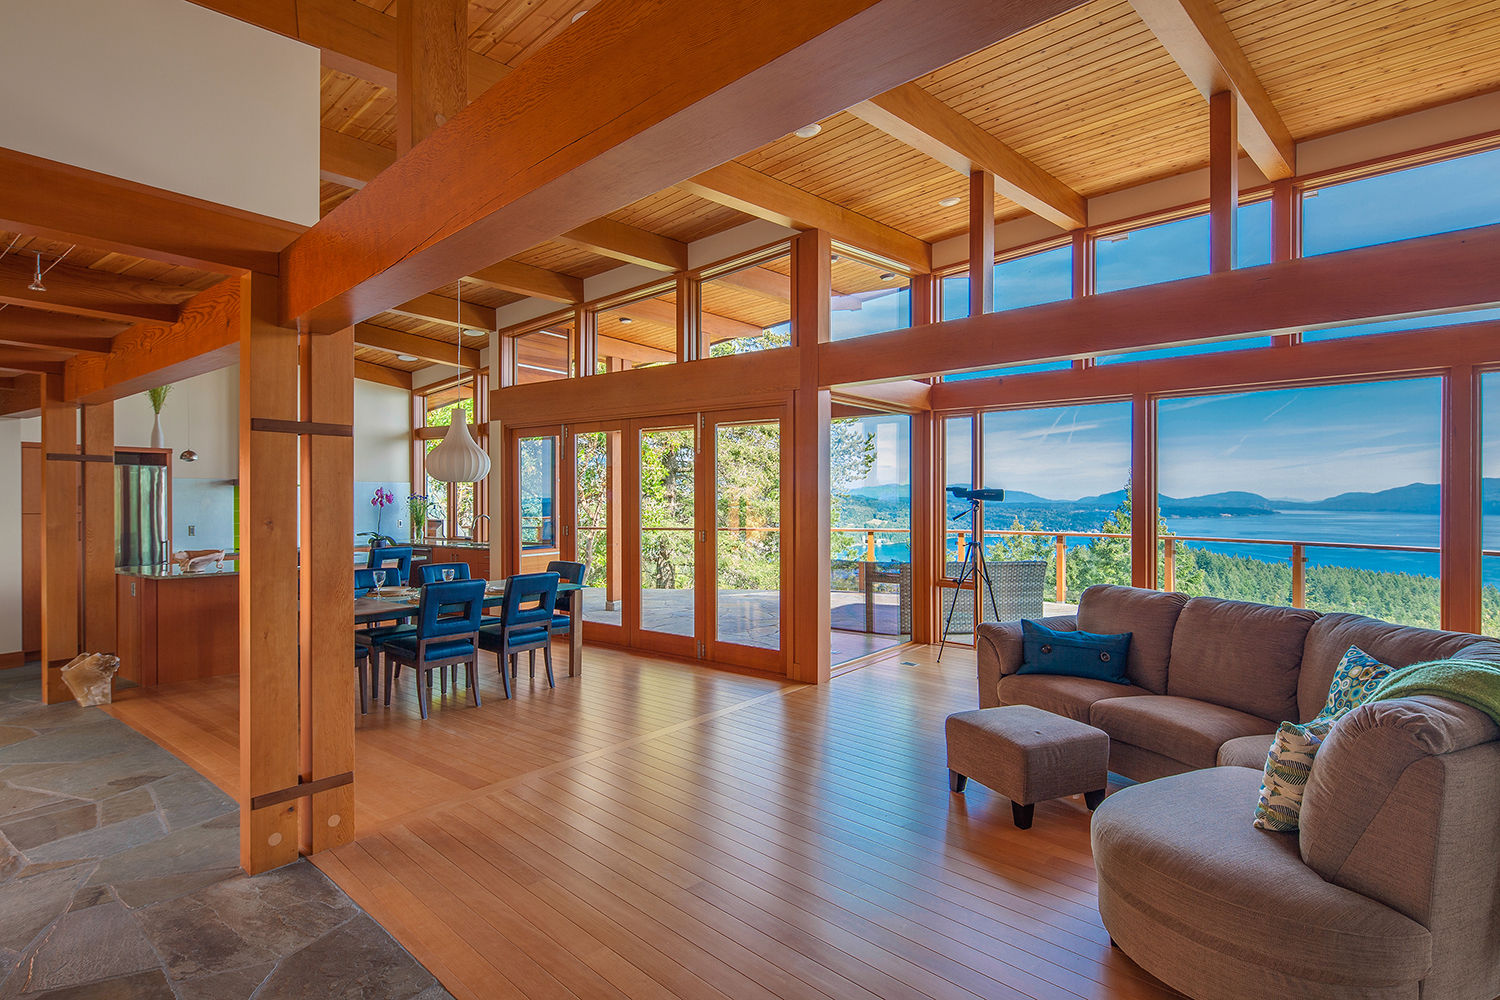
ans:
(157, 439)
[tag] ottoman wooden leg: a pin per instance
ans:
(1092, 799)
(1021, 815)
(957, 782)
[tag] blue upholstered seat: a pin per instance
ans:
(407, 644)
(446, 634)
(525, 624)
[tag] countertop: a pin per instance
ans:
(175, 572)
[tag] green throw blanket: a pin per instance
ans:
(1473, 682)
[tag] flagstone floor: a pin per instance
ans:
(119, 879)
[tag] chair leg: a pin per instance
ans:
(424, 684)
(500, 658)
(364, 688)
(374, 675)
(547, 655)
(471, 674)
(390, 679)
(531, 657)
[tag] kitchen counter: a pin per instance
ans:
(173, 572)
(170, 631)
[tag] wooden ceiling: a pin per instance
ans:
(1091, 98)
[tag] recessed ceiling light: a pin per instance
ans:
(626, 320)
(406, 357)
(949, 202)
(888, 276)
(808, 131)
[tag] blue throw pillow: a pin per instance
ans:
(1073, 654)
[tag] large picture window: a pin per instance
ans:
(455, 510)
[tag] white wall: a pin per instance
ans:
(382, 434)
(166, 93)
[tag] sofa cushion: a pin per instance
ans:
(1073, 654)
(1148, 615)
(1242, 656)
(1217, 908)
(1247, 751)
(1399, 645)
(1181, 728)
(1289, 762)
(1067, 696)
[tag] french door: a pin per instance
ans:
(679, 519)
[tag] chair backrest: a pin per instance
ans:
(433, 572)
(568, 572)
(364, 582)
(450, 609)
(392, 558)
(527, 588)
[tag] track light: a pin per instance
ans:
(36, 282)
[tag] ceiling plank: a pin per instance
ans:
(630, 244)
(1198, 38)
(352, 162)
(423, 348)
(524, 279)
(1394, 280)
(205, 339)
(739, 187)
(61, 202)
(587, 127)
(379, 373)
(78, 291)
(441, 309)
(921, 121)
(352, 37)
(57, 331)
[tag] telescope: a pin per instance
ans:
(974, 496)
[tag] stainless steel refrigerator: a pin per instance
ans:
(140, 514)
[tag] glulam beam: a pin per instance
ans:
(79, 291)
(525, 279)
(440, 309)
(589, 126)
(914, 117)
(435, 352)
(1198, 38)
(370, 372)
(629, 244)
(56, 331)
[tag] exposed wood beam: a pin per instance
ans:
(27, 359)
(56, 331)
(1223, 180)
(587, 127)
(754, 193)
(352, 37)
(1196, 35)
(630, 244)
(206, 338)
(441, 309)
(352, 162)
(431, 85)
(379, 373)
(1406, 278)
(61, 202)
(21, 396)
(424, 348)
(79, 291)
(524, 279)
(929, 126)
(906, 396)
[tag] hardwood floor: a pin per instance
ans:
(654, 829)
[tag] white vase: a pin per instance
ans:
(157, 441)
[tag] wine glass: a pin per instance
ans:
(448, 575)
(379, 576)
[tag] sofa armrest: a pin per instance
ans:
(998, 648)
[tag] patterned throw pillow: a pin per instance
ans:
(1289, 764)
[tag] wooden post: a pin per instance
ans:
(1143, 503)
(270, 750)
(981, 242)
(924, 529)
(327, 588)
(1223, 178)
(1460, 522)
(614, 498)
(586, 327)
(1286, 232)
(1299, 575)
(812, 283)
(925, 299)
(59, 541)
(432, 80)
(1083, 279)
(1169, 564)
(99, 528)
(1061, 548)
(692, 343)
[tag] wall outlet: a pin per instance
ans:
(192, 530)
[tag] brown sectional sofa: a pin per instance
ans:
(1391, 888)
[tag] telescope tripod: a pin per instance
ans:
(973, 563)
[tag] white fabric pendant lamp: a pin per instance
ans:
(458, 458)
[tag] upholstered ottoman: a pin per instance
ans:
(1028, 756)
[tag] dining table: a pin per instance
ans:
(401, 603)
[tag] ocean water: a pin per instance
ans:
(1303, 526)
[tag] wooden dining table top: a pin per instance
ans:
(402, 602)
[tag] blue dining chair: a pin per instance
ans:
(364, 581)
(361, 658)
(433, 572)
(394, 559)
(567, 572)
(447, 634)
(525, 624)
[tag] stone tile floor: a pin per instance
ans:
(119, 879)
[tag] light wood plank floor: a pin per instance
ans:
(655, 829)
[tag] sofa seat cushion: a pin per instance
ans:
(1216, 908)
(1181, 728)
(1067, 696)
(1245, 751)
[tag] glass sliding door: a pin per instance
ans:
(748, 512)
(598, 533)
(667, 534)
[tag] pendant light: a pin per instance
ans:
(458, 459)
